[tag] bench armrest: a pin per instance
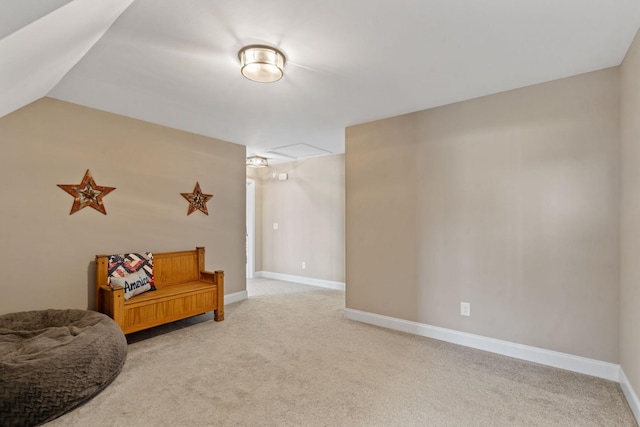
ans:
(208, 276)
(216, 278)
(111, 303)
(105, 290)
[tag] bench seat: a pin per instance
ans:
(169, 291)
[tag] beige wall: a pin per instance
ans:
(509, 202)
(630, 219)
(46, 255)
(309, 210)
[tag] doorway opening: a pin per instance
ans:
(250, 245)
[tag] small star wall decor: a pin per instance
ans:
(197, 200)
(87, 193)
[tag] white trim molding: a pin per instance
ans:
(304, 280)
(630, 394)
(556, 359)
(235, 297)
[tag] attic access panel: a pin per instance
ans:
(298, 151)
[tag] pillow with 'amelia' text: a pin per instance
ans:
(133, 284)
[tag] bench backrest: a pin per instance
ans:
(170, 268)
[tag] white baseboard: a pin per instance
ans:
(299, 279)
(235, 297)
(556, 359)
(630, 394)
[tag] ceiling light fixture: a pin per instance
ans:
(257, 162)
(262, 64)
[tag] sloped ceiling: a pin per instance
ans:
(34, 56)
(15, 14)
(175, 63)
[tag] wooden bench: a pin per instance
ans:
(184, 289)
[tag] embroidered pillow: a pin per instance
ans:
(133, 284)
(124, 264)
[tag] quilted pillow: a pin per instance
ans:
(133, 284)
(121, 265)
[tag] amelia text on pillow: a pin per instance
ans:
(133, 285)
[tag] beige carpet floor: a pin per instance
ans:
(287, 357)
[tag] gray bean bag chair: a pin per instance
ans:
(52, 361)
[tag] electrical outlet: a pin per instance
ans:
(465, 309)
(304, 265)
(275, 225)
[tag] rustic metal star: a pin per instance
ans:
(197, 200)
(87, 193)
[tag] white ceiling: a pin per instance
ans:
(15, 14)
(348, 61)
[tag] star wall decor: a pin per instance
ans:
(87, 193)
(197, 200)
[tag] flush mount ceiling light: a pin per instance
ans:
(262, 64)
(257, 162)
